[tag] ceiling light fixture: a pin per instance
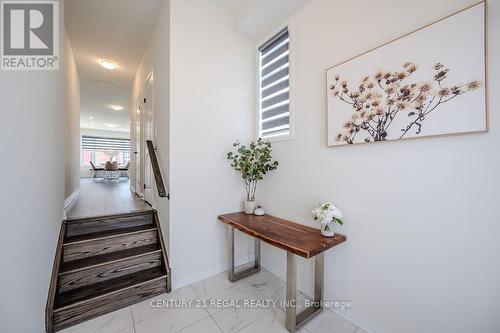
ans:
(116, 107)
(91, 117)
(108, 64)
(111, 125)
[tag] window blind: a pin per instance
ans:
(274, 72)
(101, 143)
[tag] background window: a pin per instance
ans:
(99, 150)
(274, 87)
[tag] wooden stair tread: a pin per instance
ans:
(108, 233)
(101, 259)
(142, 211)
(90, 292)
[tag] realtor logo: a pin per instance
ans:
(30, 35)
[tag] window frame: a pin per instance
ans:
(94, 151)
(289, 25)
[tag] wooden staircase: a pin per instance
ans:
(106, 263)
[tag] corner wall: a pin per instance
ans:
(72, 122)
(156, 59)
(31, 202)
(212, 87)
(421, 215)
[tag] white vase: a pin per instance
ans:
(249, 206)
(327, 230)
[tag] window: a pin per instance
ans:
(99, 150)
(274, 86)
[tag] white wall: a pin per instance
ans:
(72, 121)
(211, 107)
(421, 215)
(156, 59)
(31, 202)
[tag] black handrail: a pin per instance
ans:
(156, 170)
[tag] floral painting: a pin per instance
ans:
(430, 82)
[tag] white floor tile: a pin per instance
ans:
(230, 297)
(127, 330)
(273, 322)
(203, 326)
(329, 322)
(212, 285)
(113, 322)
(171, 320)
(149, 308)
(266, 283)
(360, 330)
(234, 319)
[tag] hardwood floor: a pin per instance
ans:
(104, 197)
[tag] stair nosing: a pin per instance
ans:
(107, 262)
(80, 219)
(108, 293)
(109, 236)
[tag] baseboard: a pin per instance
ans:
(348, 314)
(185, 281)
(72, 197)
(132, 188)
(360, 321)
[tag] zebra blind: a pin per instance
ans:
(274, 72)
(101, 143)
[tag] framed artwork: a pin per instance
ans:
(429, 82)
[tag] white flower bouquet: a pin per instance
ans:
(327, 214)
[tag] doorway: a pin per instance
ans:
(149, 133)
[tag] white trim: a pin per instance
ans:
(359, 320)
(199, 276)
(290, 24)
(71, 197)
(132, 188)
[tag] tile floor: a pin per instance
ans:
(204, 317)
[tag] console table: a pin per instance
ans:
(296, 239)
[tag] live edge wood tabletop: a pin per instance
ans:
(296, 239)
(289, 236)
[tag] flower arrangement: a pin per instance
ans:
(386, 95)
(253, 162)
(327, 214)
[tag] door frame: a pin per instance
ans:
(138, 132)
(149, 81)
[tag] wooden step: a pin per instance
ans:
(83, 226)
(95, 244)
(92, 270)
(84, 303)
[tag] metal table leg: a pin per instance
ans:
(294, 320)
(235, 276)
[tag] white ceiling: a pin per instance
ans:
(117, 30)
(256, 18)
(95, 111)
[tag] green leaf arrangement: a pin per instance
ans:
(253, 162)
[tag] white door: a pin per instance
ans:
(138, 150)
(148, 135)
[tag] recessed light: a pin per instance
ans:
(111, 125)
(116, 107)
(91, 117)
(108, 64)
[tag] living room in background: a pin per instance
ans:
(99, 150)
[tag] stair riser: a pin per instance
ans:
(83, 227)
(93, 275)
(75, 251)
(86, 310)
